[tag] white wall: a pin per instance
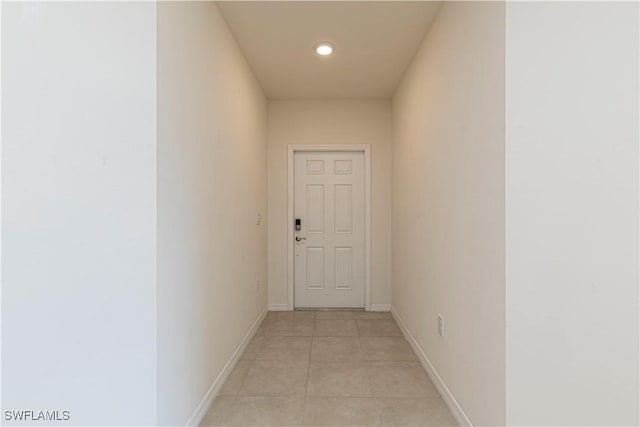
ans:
(572, 213)
(212, 174)
(79, 210)
(448, 203)
(330, 122)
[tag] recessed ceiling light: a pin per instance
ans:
(324, 48)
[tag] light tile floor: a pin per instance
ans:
(328, 368)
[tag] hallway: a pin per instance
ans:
(320, 213)
(328, 368)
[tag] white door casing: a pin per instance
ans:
(330, 250)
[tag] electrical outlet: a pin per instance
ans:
(440, 325)
(257, 286)
(258, 218)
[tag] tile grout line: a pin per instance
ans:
(366, 370)
(306, 385)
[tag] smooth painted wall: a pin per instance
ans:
(572, 213)
(448, 203)
(320, 122)
(212, 173)
(79, 210)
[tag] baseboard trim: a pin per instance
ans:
(204, 405)
(285, 307)
(380, 307)
(442, 388)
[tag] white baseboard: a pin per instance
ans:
(374, 307)
(442, 388)
(204, 405)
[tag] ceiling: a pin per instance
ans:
(375, 42)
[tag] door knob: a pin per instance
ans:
(298, 238)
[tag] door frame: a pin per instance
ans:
(361, 148)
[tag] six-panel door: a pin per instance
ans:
(329, 248)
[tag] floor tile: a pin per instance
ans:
(378, 328)
(400, 379)
(253, 347)
(304, 314)
(284, 315)
(338, 379)
(275, 378)
(423, 412)
(285, 348)
(264, 327)
(336, 328)
(336, 349)
(217, 412)
(340, 411)
(234, 381)
(298, 314)
(292, 328)
(395, 349)
(271, 315)
(372, 315)
(265, 411)
(324, 315)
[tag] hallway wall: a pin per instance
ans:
(448, 204)
(572, 213)
(330, 122)
(212, 174)
(79, 210)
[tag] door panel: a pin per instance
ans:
(315, 268)
(343, 264)
(343, 203)
(315, 208)
(329, 248)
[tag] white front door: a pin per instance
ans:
(329, 250)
